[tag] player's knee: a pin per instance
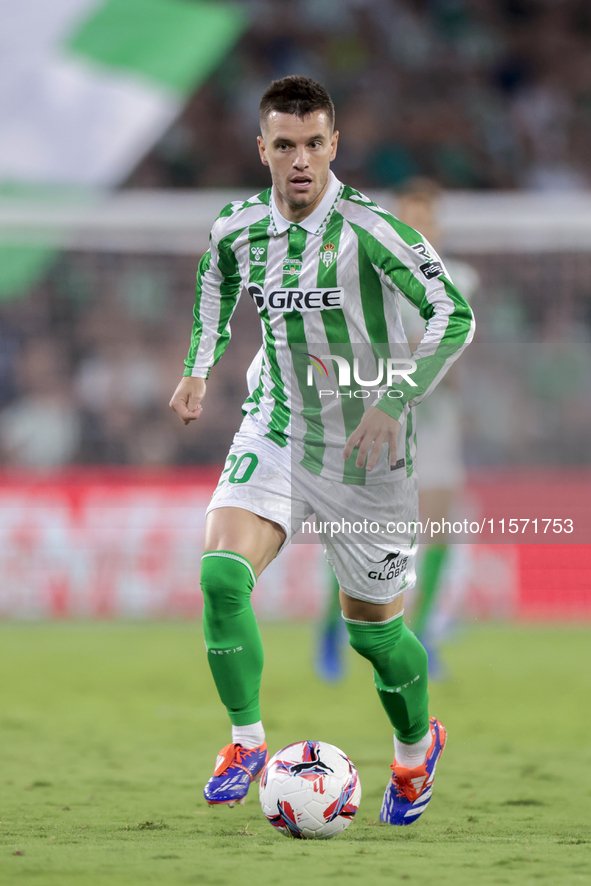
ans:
(227, 580)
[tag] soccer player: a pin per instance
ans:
(325, 268)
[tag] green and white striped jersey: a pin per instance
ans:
(327, 290)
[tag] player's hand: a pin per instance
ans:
(374, 429)
(186, 400)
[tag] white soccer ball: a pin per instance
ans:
(310, 790)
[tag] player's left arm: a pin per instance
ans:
(409, 265)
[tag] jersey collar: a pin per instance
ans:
(317, 221)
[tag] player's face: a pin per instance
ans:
(298, 151)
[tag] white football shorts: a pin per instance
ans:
(368, 533)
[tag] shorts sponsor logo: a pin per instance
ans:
(393, 566)
(296, 299)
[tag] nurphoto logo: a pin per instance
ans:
(395, 367)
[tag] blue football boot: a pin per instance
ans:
(409, 791)
(235, 768)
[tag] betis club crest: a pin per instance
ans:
(328, 253)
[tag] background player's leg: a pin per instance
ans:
(435, 505)
(428, 587)
(331, 634)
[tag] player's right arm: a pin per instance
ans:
(216, 296)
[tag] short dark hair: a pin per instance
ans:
(296, 95)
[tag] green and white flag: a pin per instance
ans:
(87, 86)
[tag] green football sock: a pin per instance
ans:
(232, 637)
(431, 570)
(400, 673)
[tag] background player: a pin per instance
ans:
(332, 634)
(439, 454)
(325, 267)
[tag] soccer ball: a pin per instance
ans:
(310, 790)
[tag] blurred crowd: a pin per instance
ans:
(89, 361)
(476, 93)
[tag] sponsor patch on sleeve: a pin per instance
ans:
(431, 269)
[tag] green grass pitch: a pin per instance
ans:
(108, 732)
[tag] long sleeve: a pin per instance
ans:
(216, 296)
(407, 264)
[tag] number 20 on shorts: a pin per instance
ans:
(239, 469)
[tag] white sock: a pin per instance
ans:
(412, 755)
(249, 736)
